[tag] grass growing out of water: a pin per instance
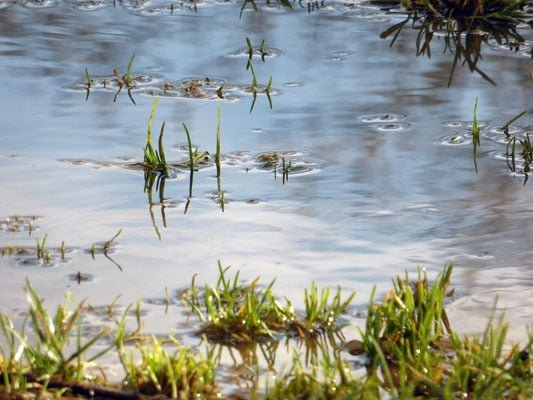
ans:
(409, 338)
(178, 374)
(254, 87)
(154, 159)
(42, 251)
(412, 352)
(234, 312)
(47, 355)
(125, 80)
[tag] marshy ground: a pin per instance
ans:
(317, 144)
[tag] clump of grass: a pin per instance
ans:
(411, 316)
(322, 310)
(48, 353)
(235, 312)
(409, 338)
(181, 374)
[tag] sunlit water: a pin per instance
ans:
(383, 175)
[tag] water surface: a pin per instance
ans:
(381, 191)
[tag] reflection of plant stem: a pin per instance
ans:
(219, 147)
(220, 193)
(149, 179)
(476, 134)
(191, 159)
(89, 83)
(191, 165)
(462, 37)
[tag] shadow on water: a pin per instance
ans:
(464, 38)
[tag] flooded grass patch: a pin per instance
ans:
(233, 312)
(410, 348)
(206, 88)
(19, 223)
(43, 255)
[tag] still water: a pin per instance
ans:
(381, 181)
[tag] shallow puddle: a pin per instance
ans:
(362, 168)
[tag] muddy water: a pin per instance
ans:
(380, 182)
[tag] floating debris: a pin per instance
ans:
(459, 139)
(398, 127)
(19, 223)
(262, 52)
(382, 118)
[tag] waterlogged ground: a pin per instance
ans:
(382, 177)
